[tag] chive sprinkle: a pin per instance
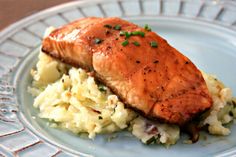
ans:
(125, 43)
(101, 88)
(142, 34)
(122, 33)
(151, 140)
(108, 26)
(136, 43)
(117, 27)
(153, 44)
(147, 28)
(97, 40)
(127, 35)
(100, 117)
(135, 33)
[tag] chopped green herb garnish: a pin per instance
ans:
(127, 35)
(117, 27)
(136, 43)
(153, 44)
(135, 33)
(151, 140)
(100, 117)
(122, 33)
(108, 26)
(147, 28)
(97, 40)
(102, 88)
(142, 34)
(125, 43)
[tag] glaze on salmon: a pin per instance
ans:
(157, 81)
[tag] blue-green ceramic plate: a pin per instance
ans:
(205, 31)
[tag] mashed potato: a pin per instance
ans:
(76, 102)
(71, 99)
(223, 109)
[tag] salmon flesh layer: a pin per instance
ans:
(139, 66)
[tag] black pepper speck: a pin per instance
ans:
(155, 62)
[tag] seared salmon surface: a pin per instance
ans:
(138, 65)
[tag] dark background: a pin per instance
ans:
(14, 10)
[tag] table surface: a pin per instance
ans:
(14, 10)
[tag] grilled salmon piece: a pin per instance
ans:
(158, 81)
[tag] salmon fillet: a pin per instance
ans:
(158, 81)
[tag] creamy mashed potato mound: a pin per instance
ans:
(223, 110)
(72, 99)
